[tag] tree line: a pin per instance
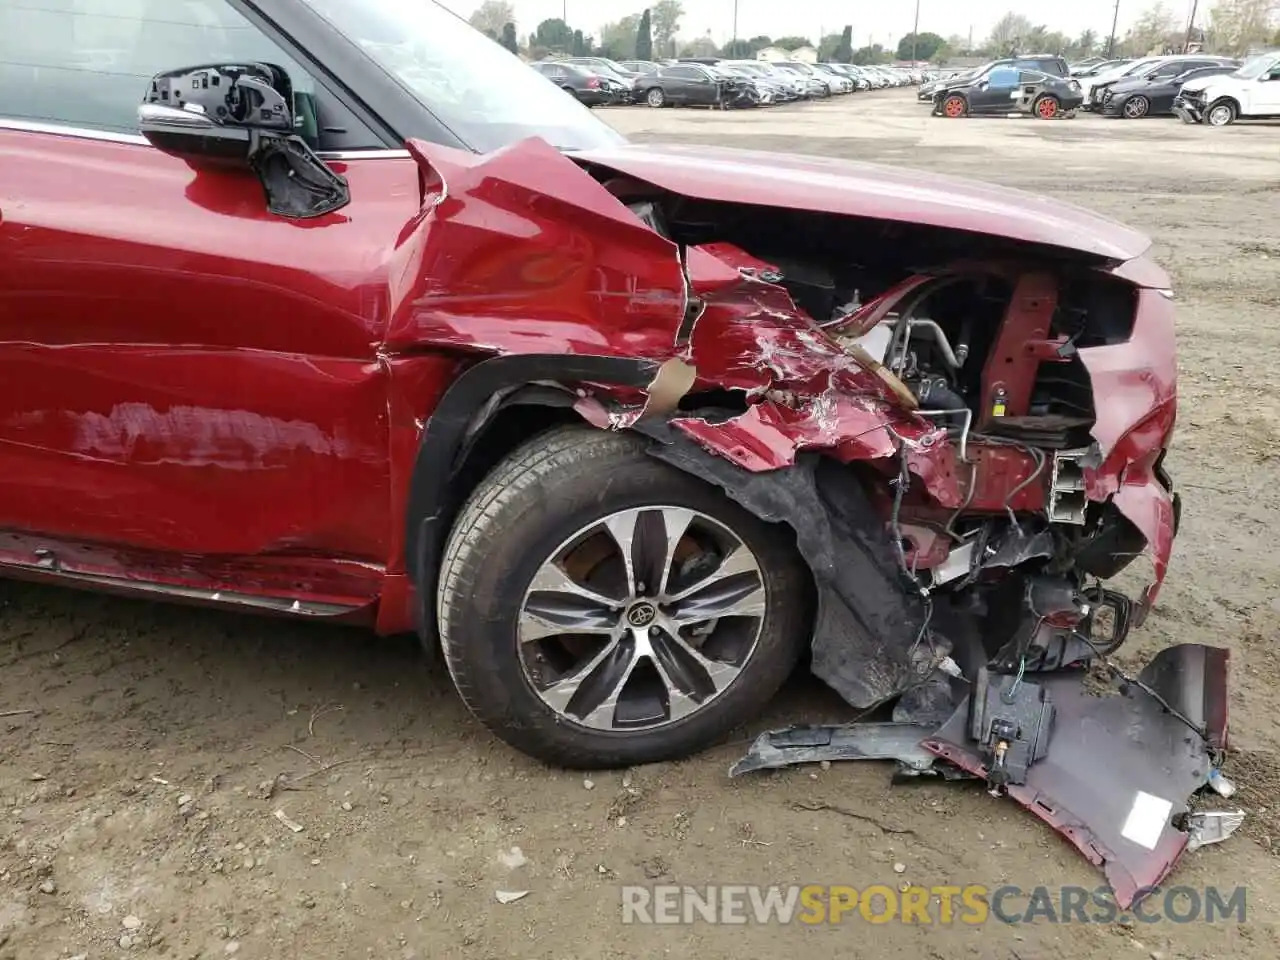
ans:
(1233, 27)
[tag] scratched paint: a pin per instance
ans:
(201, 436)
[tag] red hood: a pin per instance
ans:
(868, 190)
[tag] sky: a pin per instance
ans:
(874, 21)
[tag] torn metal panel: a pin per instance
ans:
(1119, 769)
(520, 251)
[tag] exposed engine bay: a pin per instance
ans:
(988, 350)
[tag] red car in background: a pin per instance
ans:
(338, 324)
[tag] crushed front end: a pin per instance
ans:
(957, 400)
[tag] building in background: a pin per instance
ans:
(775, 54)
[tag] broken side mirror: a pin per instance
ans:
(240, 116)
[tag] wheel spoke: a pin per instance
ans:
(675, 523)
(647, 540)
(734, 589)
(551, 578)
(557, 605)
(687, 673)
(591, 693)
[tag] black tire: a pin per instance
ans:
(1223, 107)
(541, 494)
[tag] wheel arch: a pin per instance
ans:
(1225, 98)
(485, 413)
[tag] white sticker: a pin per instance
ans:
(1147, 819)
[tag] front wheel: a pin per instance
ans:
(598, 608)
(656, 97)
(955, 107)
(1136, 108)
(1222, 113)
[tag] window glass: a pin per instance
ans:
(1003, 77)
(86, 63)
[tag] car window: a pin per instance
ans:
(683, 72)
(1027, 76)
(1003, 77)
(87, 63)
(1168, 69)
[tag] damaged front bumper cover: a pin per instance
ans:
(1113, 770)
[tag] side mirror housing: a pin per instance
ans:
(240, 116)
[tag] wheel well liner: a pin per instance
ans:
(467, 407)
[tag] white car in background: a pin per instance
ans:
(1251, 93)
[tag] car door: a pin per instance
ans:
(1266, 93)
(996, 92)
(684, 84)
(181, 371)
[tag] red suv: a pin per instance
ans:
(334, 309)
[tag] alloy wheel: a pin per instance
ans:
(1221, 115)
(655, 98)
(954, 107)
(641, 619)
(1136, 107)
(1047, 108)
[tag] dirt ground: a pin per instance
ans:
(145, 799)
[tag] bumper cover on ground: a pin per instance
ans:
(1115, 772)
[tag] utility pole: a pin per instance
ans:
(735, 20)
(1191, 25)
(1115, 21)
(915, 34)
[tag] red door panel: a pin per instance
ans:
(184, 372)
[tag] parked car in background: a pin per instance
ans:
(604, 67)
(1159, 70)
(842, 83)
(641, 67)
(820, 84)
(1250, 93)
(1104, 78)
(930, 88)
(577, 81)
(682, 84)
(770, 91)
(619, 80)
(1004, 89)
(1101, 67)
(794, 86)
(860, 81)
(1083, 66)
(1153, 96)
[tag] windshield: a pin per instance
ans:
(486, 97)
(1255, 67)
